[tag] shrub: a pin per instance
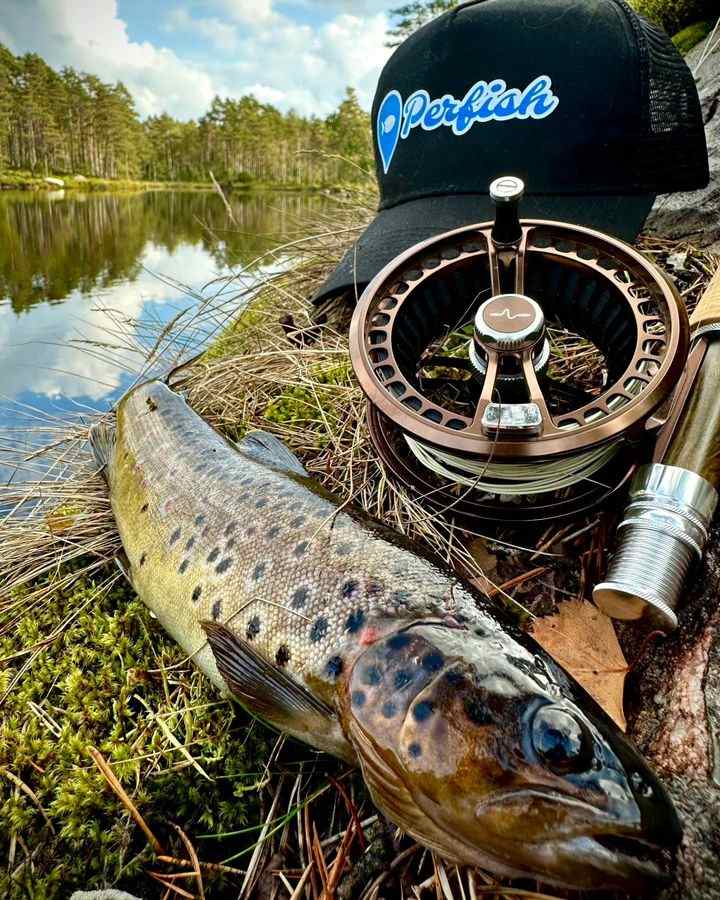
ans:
(675, 14)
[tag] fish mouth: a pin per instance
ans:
(608, 852)
(625, 860)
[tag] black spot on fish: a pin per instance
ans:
(372, 675)
(175, 536)
(247, 480)
(273, 532)
(206, 531)
(389, 709)
(142, 559)
(423, 710)
(358, 698)
(374, 588)
(355, 621)
(432, 662)
(253, 628)
(398, 641)
(152, 405)
(229, 528)
(344, 550)
(144, 507)
(250, 531)
(190, 544)
(301, 549)
(476, 712)
(350, 589)
(415, 750)
(182, 568)
(216, 609)
(402, 679)
(230, 544)
(259, 571)
(297, 521)
(223, 565)
(319, 629)
(299, 598)
(196, 593)
(334, 666)
(261, 502)
(199, 519)
(454, 678)
(213, 554)
(282, 657)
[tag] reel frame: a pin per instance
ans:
(654, 329)
(388, 388)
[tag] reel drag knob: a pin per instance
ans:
(509, 325)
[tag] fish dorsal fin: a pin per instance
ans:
(269, 450)
(263, 688)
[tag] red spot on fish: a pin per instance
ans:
(369, 635)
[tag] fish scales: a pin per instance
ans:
(213, 534)
(339, 632)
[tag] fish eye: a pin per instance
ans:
(560, 740)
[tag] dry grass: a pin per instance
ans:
(296, 382)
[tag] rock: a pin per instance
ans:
(79, 178)
(696, 215)
(105, 894)
(57, 182)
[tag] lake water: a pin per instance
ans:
(78, 267)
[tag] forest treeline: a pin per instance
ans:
(68, 122)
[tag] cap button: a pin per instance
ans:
(509, 322)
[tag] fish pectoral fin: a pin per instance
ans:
(123, 563)
(263, 688)
(269, 450)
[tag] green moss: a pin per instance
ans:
(689, 37)
(102, 683)
(301, 405)
(673, 15)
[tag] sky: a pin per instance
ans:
(175, 55)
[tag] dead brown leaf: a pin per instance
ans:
(582, 640)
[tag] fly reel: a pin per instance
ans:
(512, 366)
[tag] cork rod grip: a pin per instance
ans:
(707, 312)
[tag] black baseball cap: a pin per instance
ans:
(585, 100)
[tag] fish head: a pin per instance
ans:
(482, 748)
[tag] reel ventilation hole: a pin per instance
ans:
(510, 366)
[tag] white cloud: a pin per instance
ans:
(89, 35)
(247, 11)
(280, 60)
(221, 35)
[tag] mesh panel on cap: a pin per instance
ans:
(671, 154)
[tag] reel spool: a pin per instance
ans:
(510, 366)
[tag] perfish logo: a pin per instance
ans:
(485, 101)
(506, 314)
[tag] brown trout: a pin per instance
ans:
(339, 632)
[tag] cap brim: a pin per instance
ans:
(396, 229)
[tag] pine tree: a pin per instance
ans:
(412, 15)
